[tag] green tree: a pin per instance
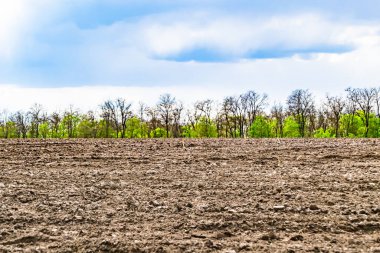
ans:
(87, 129)
(158, 133)
(291, 128)
(70, 121)
(10, 130)
(205, 128)
(104, 130)
(260, 128)
(350, 124)
(44, 130)
(136, 129)
(188, 131)
(322, 133)
(363, 98)
(55, 122)
(372, 130)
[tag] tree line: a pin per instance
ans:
(357, 114)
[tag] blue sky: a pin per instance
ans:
(208, 48)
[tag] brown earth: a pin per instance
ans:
(190, 195)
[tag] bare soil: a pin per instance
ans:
(190, 195)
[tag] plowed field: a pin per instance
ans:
(190, 195)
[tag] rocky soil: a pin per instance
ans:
(209, 195)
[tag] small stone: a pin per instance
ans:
(230, 251)
(154, 203)
(198, 236)
(178, 208)
(269, 237)
(228, 234)
(202, 207)
(2, 185)
(244, 246)
(209, 244)
(313, 207)
(297, 238)
(278, 208)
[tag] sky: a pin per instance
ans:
(82, 52)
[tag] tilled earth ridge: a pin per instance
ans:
(198, 195)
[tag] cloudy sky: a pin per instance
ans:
(82, 52)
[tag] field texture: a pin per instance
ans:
(190, 195)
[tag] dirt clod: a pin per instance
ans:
(297, 238)
(269, 237)
(313, 207)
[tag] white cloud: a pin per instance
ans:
(13, 17)
(121, 53)
(19, 19)
(239, 35)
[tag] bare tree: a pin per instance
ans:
(192, 118)
(22, 123)
(335, 107)
(301, 106)
(110, 117)
(165, 107)
(239, 110)
(350, 112)
(377, 104)
(177, 113)
(377, 101)
(153, 120)
(124, 113)
(228, 113)
(203, 109)
(35, 114)
(364, 99)
(90, 130)
(54, 121)
(70, 121)
(116, 113)
(278, 114)
(321, 118)
(142, 111)
(4, 122)
(219, 120)
(253, 103)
